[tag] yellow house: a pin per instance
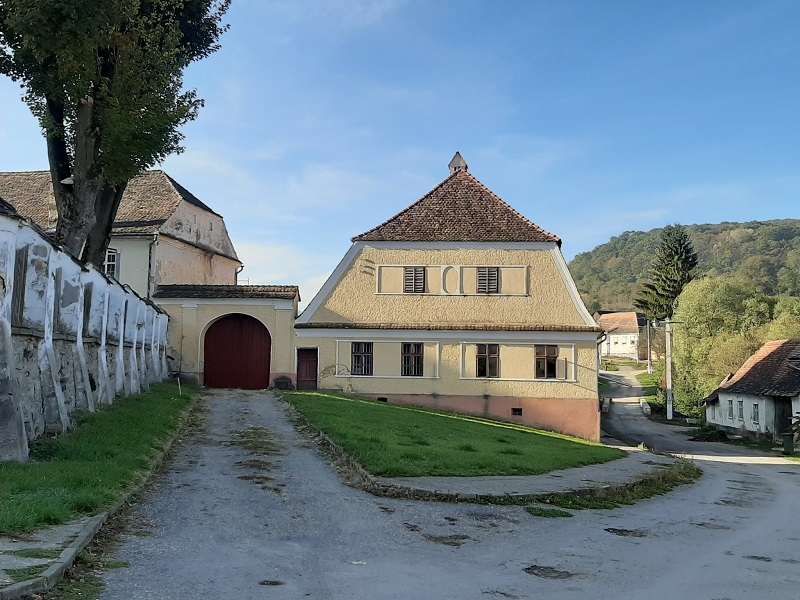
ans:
(458, 303)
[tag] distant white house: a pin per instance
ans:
(762, 396)
(622, 334)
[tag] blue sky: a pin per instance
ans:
(323, 118)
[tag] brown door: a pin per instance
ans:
(783, 415)
(307, 369)
(237, 354)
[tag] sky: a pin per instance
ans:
(324, 118)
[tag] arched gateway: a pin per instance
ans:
(237, 353)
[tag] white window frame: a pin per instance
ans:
(108, 263)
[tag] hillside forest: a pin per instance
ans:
(746, 292)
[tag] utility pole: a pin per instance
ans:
(649, 351)
(668, 341)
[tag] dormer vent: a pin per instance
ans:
(457, 164)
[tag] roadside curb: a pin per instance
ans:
(55, 572)
(354, 475)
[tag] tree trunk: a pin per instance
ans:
(105, 210)
(75, 200)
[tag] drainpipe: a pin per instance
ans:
(150, 266)
(600, 340)
(236, 277)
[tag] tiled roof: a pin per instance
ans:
(286, 292)
(148, 201)
(450, 326)
(6, 208)
(460, 209)
(767, 372)
(620, 323)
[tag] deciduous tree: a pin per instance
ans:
(105, 80)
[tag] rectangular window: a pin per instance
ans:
(740, 409)
(361, 358)
(412, 359)
(488, 361)
(548, 364)
(414, 280)
(755, 413)
(488, 280)
(730, 409)
(110, 266)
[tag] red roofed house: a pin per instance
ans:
(458, 303)
(763, 394)
(622, 334)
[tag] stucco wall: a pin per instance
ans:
(191, 318)
(448, 381)
(72, 339)
(718, 414)
(133, 265)
(178, 263)
(199, 227)
(623, 345)
(356, 296)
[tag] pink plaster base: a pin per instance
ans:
(578, 417)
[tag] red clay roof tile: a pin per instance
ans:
(460, 209)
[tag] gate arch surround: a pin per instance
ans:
(237, 353)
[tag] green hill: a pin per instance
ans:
(766, 252)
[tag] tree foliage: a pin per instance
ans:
(105, 80)
(674, 265)
(722, 321)
(610, 275)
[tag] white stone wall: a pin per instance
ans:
(70, 338)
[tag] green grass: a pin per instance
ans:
(399, 441)
(603, 386)
(656, 401)
(548, 513)
(34, 553)
(658, 483)
(608, 366)
(26, 573)
(89, 468)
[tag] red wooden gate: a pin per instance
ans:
(307, 369)
(237, 354)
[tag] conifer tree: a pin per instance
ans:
(674, 265)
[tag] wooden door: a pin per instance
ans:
(307, 368)
(783, 415)
(237, 354)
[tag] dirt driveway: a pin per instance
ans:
(219, 525)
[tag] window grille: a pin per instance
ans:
(361, 358)
(412, 365)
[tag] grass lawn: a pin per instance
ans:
(400, 441)
(602, 386)
(91, 467)
(650, 391)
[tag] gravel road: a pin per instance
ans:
(290, 529)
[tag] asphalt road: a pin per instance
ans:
(204, 532)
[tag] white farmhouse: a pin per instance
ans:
(762, 396)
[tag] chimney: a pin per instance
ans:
(457, 164)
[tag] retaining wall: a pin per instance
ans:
(71, 339)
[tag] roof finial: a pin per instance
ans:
(457, 164)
